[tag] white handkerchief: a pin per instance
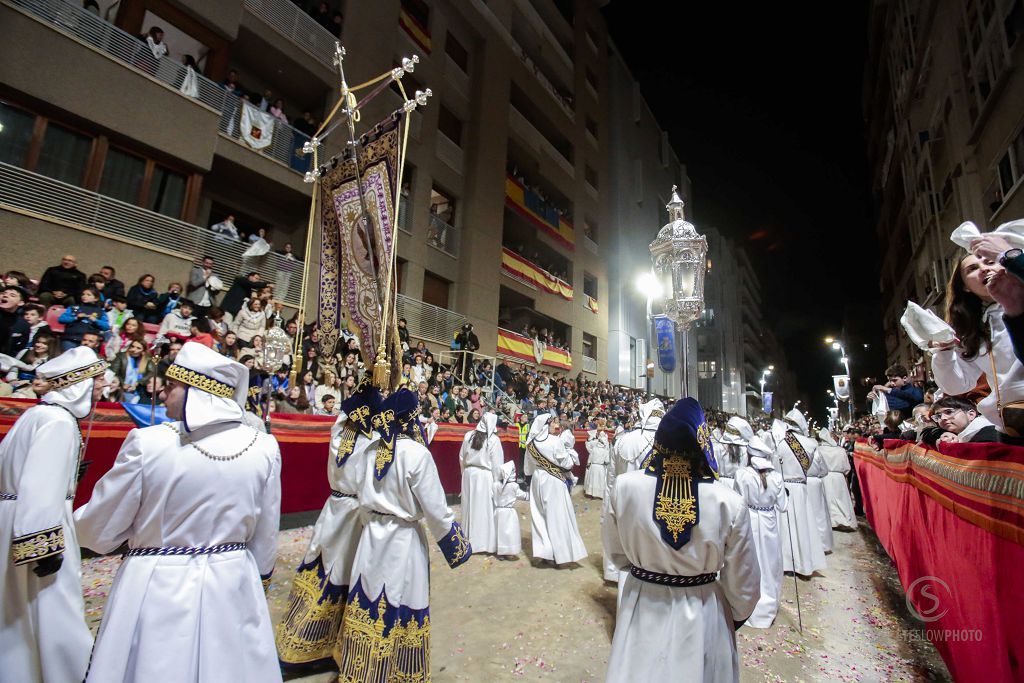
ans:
(880, 405)
(923, 326)
(1013, 232)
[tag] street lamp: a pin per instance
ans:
(649, 285)
(764, 380)
(679, 255)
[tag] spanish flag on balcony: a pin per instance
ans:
(516, 265)
(591, 303)
(532, 350)
(527, 204)
(419, 33)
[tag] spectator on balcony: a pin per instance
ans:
(336, 22)
(322, 15)
(169, 301)
(87, 316)
(277, 111)
(260, 234)
(133, 367)
(142, 299)
(241, 289)
(231, 84)
(14, 329)
(155, 40)
(114, 287)
(403, 334)
(33, 315)
(91, 6)
(250, 321)
(203, 286)
(61, 284)
(225, 231)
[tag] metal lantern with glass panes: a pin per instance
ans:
(679, 255)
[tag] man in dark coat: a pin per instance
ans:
(61, 284)
(114, 287)
(467, 341)
(241, 289)
(14, 331)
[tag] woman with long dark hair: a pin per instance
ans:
(480, 457)
(983, 347)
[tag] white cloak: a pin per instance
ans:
(506, 519)
(674, 633)
(556, 535)
(837, 492)
(765, 504)
(390, 582)
(819, 503)
(598, 456)
(627, 455)
(480, 469)
(43, 635)
(798, 521)
(312, 624)
(187, 618)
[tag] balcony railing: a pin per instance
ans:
(123, 47)
(289, 20)
(428, 322)
(37, 194)
(442, 236)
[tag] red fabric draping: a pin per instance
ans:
(303, 440)
(930, 513)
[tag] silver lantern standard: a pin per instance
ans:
(679, 254)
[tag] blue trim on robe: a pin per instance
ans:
(455, 546)
(393, 615)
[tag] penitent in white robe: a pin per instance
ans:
(837, 492)
(627, 455)
(676, 633)
(187, 618)
(386, 631)
(506, 518)
(598, 456)
(43, 635)
(819, 503)
(798, 521)
(480, 469)
(312, 624)
(765, 504)
(556, 534)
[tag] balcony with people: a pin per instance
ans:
(528, 335)
(533, 264)
(314, 31)
(539, 204)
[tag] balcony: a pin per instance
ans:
(590, 365)
(428, 322)
(533, 276)
(443, 237)
(449, 152)
(536, 140)
(290, 21)
(134, 54)
(30, 193)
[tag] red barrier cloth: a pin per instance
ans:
(958, 516)
(303, 440)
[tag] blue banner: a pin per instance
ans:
(666, 332)
(141, 412)
(766, 402)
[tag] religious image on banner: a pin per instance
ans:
(665, 331)
(257, 126)
(842, 386)
(766, 402)
(354, 258)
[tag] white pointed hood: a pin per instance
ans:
(796, 421)
(71, 376)
(217, 386)
(651, 414)
(488, 423)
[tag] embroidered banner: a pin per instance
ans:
(522, 348)
(842, 386)
(354, 258)
(257, 126)
(419, 34)
(665, 330)
(515, 264)
(766, 401)
(530, 206)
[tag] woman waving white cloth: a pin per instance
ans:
(556, 536)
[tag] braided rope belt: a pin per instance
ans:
(761, 509)
(339, 494)
(179, 550)
(14, 496)
(672, 579)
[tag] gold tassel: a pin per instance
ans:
(382, 369)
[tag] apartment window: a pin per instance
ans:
(16, 128)
(436, 290)
(589, 345)
(166, 192)
(123, 176)
(707, 369)
(591, 176)
(400, 267)
(590, 229)
(418, 10)
(449, 125)
(591, 78)
(1011, 165)
(591, 127)
(590, 285)
(454, 49)
(64, 155)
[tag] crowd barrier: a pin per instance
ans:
(952, 520)
(303, 440)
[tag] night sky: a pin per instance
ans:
(763, 103)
